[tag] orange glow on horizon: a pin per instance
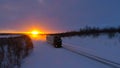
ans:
(36, 35)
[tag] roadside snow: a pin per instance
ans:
(102, 46)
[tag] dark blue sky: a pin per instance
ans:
(58, 15)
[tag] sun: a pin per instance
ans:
(35, 32)
(36, 35)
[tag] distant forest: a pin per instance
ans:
(91, 31)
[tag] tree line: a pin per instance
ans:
(91, 31)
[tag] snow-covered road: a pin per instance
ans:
(45, 56)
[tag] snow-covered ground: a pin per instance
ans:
(101, 46)
(8, 36)
(46, 56)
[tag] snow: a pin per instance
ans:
(7, 36)
(102, 46)
(46, 56)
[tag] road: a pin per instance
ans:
(46, 56)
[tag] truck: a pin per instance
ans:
(54, 40)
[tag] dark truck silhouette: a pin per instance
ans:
(54, 40)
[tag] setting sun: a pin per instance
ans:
(37, 35)
(35, 32)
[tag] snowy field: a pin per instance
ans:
(46, 56)
(102, 46)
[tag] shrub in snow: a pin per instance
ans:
(13, 50)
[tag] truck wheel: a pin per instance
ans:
(55, 46)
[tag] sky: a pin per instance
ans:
(57, 15)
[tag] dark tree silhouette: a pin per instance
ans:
(13, 50)
(91, 31)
